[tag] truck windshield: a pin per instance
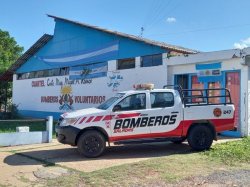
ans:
(110, 101)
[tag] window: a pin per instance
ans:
(44, 73)
(151, 60)
(133, 102)
(110, 101)
(161, 99)
(64, 71)
(39, 74)
(31, 75)
(128, 63)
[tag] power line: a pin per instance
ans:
(155, 11)
(159, 17)
(201, 29)
(164, 15)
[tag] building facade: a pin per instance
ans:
(81, 66)
(220, 69)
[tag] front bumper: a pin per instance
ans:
(67, 134)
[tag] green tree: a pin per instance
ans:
(10, 51)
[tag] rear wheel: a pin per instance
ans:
(91, 144)
(200, 138)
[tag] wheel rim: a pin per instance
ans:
(200, 139)
(91, 144)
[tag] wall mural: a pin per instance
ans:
(114, 80)
(88, 71)
(105, 52)
(66, 99)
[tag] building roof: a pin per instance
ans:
(7, 75)
(137, 38)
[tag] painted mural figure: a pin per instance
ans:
(114, 81)
(66, 99)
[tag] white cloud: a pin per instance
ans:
(171, 20)
(242, 44)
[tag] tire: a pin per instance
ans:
(200, 138)
(91, 144)
(179, 140)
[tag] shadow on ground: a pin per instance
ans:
(70, 154)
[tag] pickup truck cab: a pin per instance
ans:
(148, 115)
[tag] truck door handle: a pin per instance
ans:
(174, 112)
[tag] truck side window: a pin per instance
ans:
(161, 99)
(133, 102)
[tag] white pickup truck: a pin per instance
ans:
(148, 115)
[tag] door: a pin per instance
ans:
(233, 84)
(214, 85)
(130, 118)
(165, 114)
(195, 84)
(182, 80)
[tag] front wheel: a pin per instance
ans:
(200, 138)
(91, 144)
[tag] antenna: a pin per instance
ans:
(142, 30)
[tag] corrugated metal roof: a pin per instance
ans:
(151, 42)
(7, 75)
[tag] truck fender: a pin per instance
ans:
(99, 129)
(206, 123)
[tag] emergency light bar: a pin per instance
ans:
(147, 86)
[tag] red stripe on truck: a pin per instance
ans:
(181, 130)
(76, 121)
(90, 118)
(131, 115)
(174, 133)
(82, 120)
(108, 117)
(97, 118)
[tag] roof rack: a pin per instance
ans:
(199, 97)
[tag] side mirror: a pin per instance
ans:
(117, 108)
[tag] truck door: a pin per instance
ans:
(127, 122)
(166, 112)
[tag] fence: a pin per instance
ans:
(21, 138)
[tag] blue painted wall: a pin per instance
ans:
(69, 37)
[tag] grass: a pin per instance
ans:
(164, 170)
(231, 153)
(152, 172)
(34, 126)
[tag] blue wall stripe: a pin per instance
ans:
(72, 38)
(208, 66)
(210, 78)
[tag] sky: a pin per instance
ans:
(204, 25)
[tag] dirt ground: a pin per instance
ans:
(22, 165)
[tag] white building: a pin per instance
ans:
(231, 70)
(80, 66)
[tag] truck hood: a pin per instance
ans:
(82, 112)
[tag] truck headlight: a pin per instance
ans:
(68, 121)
